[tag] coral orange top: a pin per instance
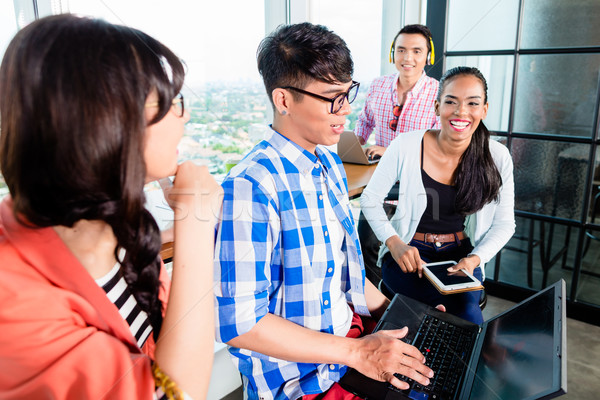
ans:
(60, 336)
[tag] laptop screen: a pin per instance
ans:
(518, 359)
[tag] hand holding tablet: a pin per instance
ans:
(450, 282)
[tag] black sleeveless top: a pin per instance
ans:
(440, 215)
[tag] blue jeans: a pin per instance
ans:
(464, 305)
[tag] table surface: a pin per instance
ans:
(358, 177)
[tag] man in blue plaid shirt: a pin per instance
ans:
(291, 284)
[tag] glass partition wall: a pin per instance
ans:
(544, 104)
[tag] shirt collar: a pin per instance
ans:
(415, 90)
(304, 160)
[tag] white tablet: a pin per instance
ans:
(448, 283)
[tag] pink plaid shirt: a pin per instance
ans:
(417, 113)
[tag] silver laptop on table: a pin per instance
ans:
(350, 150)
(519, 354)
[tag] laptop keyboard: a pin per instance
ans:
(447, 349)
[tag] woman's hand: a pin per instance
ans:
(184, 350)
(468, 263)
(374, 151)
(407, 257)
(194, 192)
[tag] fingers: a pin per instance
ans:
(468, 263)
(441, 307)
(396, 333)
(457, 267)
(374, 151)
(407, 349)
(417, 262)
(417, 372)
(383, 355)
(410, 260)
(404, 266)
(194, 193)
(165, 183)
(409, 363)
(391, 378)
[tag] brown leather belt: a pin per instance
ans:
(439, 238)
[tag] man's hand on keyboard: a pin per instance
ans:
(380, 355)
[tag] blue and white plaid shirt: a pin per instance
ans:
(274, 255)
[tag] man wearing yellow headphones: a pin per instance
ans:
(400, 102)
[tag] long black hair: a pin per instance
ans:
(477, 178)
(72, 100)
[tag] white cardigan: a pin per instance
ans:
(489, 228)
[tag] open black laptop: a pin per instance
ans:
(519, 354)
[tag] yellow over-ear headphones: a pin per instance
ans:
(430, 56)
(431, 53)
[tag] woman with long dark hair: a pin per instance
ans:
(456, 199)
(90, 112)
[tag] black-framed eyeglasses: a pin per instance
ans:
(337, 102)
(393, 124)
(177, 105)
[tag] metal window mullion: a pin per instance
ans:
(513, 94)
(587, 198)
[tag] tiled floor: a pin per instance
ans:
(583, 354)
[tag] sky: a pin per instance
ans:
(218, 39)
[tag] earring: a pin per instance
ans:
(283, 112)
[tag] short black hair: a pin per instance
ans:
(416, 29)
(294, 55)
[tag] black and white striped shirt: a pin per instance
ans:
(118, 293)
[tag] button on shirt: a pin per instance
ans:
(274, 255)
(417, 112)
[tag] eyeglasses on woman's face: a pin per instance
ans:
(337, 102)
(177, 105)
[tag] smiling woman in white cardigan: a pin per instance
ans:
(456, 197)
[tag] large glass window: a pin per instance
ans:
(550, 176)
(8, 28)
(559, 23)
(590, 275)
(497, 71)
(359, 23)
(223, 89)
(8, 24)
(482, 25)
(550, 100)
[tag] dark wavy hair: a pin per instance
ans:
(72, 96)
(477, 178)
(295, 55)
